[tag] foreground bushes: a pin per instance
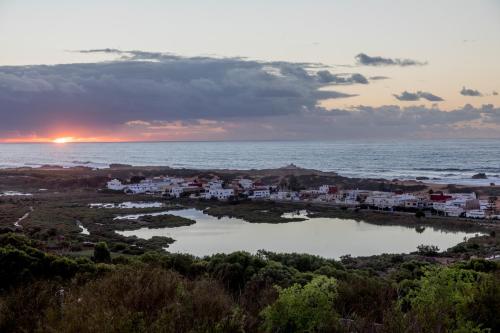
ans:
(22, 263)
(240, 292)
(146, 299)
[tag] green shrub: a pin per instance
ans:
(303, 309)
(101, 253)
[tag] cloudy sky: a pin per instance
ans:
(226, 70)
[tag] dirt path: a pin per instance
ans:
(22, 218)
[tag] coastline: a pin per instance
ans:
(416, 179)
(437, 162)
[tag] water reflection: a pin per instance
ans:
(327, 237)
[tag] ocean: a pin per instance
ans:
(441, 161)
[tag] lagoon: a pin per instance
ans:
(326, 237)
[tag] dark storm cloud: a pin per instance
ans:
(155, 86)
(366, 60)
(419, 115)
(325, 76)
(408, 96)
(407, 121)
(381, 122)
(470, 92)
(236, 97)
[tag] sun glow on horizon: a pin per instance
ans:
(65, 139)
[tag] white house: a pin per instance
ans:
(163, 183)
(215, 184)
(220, 193)
(260, 194)
(405, 200)
(485, 205)
(144, 186)
(349, 195)
(176, 191)
(412, 204)
(452, 210)
(176, 180)
(381, 200)
(205, 195)
(464, 196)
(115, 185)
(476, 214)
(440, 206)
(284, 195)
(246, 184)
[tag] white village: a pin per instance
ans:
(466, 205)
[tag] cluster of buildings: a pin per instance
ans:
(446, 204)
(180, 187)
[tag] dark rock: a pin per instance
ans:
(480, 175)
(118, 165)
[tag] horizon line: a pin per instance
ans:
(243, 140)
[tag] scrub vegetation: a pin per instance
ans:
(239, 292)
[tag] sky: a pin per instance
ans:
(248, 70)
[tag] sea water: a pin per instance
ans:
(442, 161)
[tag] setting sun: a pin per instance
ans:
(63, 139)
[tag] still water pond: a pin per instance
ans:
(327, 237)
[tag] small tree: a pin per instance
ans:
(303, 309)
(101, 253)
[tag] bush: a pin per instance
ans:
(428, 250)
(140, 298)
(101, 253)
(20, 263)
(442, 300)
(303, 309)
